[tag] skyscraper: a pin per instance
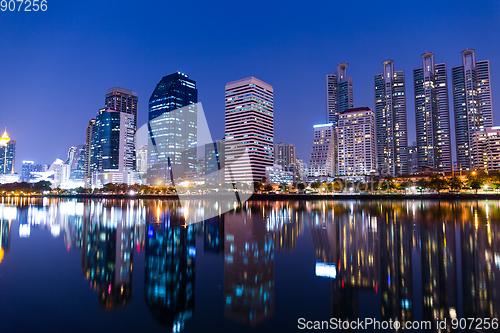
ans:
(338, 93)
(122, 100)
(432, 115)
(321, 162)
(472, 104)
(286, 157)
(356, 142)
(172, 128)
(249, 128)
(113, 148)
(390, 121)
(89, 167)
(7, 154)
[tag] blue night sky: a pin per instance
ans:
(55, 66)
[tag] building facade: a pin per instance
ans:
(285, 156)
(215, 163)
(276, 175)
(249, 129)
(472, 103)
(321, 162)
(356, 142)
(7, 154)
(339, 93)
(112, 157)
(432, 115)
(487, 149)
(390, 121)
(172, 129)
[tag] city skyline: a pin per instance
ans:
(282, 58)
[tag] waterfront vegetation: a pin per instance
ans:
(474, 182)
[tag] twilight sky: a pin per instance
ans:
(55, 66)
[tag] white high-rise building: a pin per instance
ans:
(249, 128)
(432, 115)
(321, 162)
(472, 104)
(356, 142)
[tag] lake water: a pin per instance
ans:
(143, 266)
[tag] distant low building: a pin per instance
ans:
(276, 175)
(321, 162)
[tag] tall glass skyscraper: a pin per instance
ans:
(122, 100)
(472, 104)
(338, 93)
(390, 121)
(7, 154)
(172, 128)
(249, 128)
(432, 115)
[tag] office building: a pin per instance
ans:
(122, 100)
(7, 154)
(413, 158)
(214, 163)
(432, 115)
(356, 142)
(472, 104)
(285, 156)
(390, 121)
(89, 151)
(249, 129)
(338, 93)
(172, 129)
(321, 162)
(276, 175)
(486, 147)
(113, 148)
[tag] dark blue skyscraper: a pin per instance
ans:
(172, 128)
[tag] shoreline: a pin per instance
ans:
(280, 197)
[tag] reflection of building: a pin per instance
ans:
(172, 128)
(248, 268)
(4, 237)
(7, 154)
(480, 247)
(390, 121)
(107, 256)
(472, 104)
(439, 279)
(170, 269)
(249, 128)
(396, 269)
(214, 235)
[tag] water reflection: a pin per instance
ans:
(408, 260)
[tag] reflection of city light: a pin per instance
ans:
(55, 230)
(1, 255)
(192, 251)
(24, 230)
(326, 270)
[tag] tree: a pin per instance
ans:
(455, 183)
(301, 186)
(268, 187)
(437, 183)
(41, 186)
(316, 185)
(474, 182)
(422, 183)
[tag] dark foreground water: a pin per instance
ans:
(142, 266)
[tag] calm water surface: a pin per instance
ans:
(143, 266)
